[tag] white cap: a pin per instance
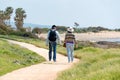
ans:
(70, 29)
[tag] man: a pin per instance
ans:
(52, 39)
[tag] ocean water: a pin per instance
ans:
(112, 40)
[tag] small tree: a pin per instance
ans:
(76, 26)
(8, 12)
(19, 18)
(2, 17)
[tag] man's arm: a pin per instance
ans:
(47, 40)
(58, 37)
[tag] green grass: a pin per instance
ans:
(94, 64)
(13, 57)
(36, 42)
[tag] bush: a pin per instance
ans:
(5, 29)
(23, 34)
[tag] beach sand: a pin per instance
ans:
(90, 36)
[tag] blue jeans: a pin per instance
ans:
(52, 47)
(70, 51)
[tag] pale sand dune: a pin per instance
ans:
(92, 36)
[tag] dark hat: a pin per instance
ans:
(53, 27)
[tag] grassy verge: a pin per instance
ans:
(95, 63)
(36, 42)
(13, 57)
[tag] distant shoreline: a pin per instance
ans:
(90, 36)
(100, 36)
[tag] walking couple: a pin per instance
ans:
(53, 38)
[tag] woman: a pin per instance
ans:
(70, 41)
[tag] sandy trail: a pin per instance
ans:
(43, 71)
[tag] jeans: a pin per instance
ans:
(70, 51)
(52, 47)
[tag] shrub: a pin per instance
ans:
(5, 29)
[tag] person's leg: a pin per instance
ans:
(72, 52)
(68, 51)
(50, 51)
(54, 51)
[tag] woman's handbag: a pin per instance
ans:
(64, 44)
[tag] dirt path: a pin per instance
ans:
(43, 71)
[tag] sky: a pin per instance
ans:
(105, 13)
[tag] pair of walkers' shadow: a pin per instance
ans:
(56, 63)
